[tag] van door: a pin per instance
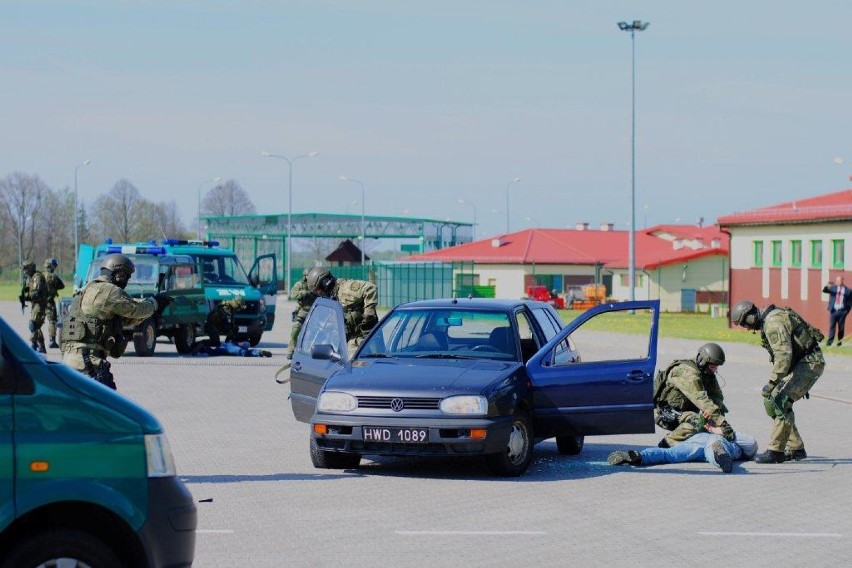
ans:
(590, 380)
(84, 258)
(323, 326)
(266, 269)
(7, 446)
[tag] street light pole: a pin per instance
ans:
(289, 161)
(200, 185)
(461, 201)
(76, 220)
(508, 185)
(632, 27)
(363, 213)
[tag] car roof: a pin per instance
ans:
(493, 304)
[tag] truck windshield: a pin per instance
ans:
(223, 270)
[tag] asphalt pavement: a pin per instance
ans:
(261, 503)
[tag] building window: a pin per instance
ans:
(796, 253)
(638, 280)
(757, 246)
(838, 253)
(776, 253)
(816, 254)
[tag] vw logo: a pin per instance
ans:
(397, 405)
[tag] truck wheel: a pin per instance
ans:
(184, 338)
(516, 458)
(145, 338)
(254, 338)
(570, 445)
(333, 460)
(62, 547)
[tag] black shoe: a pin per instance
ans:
(795, 455)
(828, 343)
(264, 353)
(289, 356)
(53, 344)
(722, 457)
(663, 444)
(839, 343)
(769, 456)
(621, 457)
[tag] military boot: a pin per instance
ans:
(53, 344)
(41, 347)
(722, 457)
(795, 455)
(621, 457)
(769, 456)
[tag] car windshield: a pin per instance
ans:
(444, 333)
(223, 270)
(146, 270)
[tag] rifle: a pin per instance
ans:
(22, 297)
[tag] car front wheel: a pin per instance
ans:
(61, 547)
(516, 458)
(570, 445)
(145, 338)
(323, 459)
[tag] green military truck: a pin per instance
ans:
(182, 321)
(86, 475)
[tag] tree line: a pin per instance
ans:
(37, 221)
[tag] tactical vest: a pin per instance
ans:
(661, 383)
(89, 330)
(805, 337)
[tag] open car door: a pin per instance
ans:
(320, 352)
(84, 257)
(265, 268)
(588, 381)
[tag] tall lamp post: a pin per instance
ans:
(363, 211)
(289, 161)
(508, 185)
(216, 179)
(76, 220)
(461, 201)
(633, 27)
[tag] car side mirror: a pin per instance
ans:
(325, 352)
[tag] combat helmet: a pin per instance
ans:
(320, 278)
(710, 354)
(118, 268)
(50, 264)
(741, 313)
(28, 266)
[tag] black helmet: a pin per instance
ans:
(319, 278)
(28, 266)
(710, 354)
(118, 268)
(741, 312)
(51, 264)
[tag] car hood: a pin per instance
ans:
(420, 377)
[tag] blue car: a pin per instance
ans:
(471, 377)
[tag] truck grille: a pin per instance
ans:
(384, 402)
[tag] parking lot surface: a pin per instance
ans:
(261, 502)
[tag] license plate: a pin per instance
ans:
(242, 329)
(395, 435)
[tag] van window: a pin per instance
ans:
(223, 270)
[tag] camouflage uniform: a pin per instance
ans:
(221, 321)
(694, 393)
(304, 299)
(54, 284)
(36, 293)
(793, 374)
(359, 299)
(101, 305)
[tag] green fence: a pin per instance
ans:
(400, 282)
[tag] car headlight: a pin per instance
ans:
(464, 405)
(337, 402)
(158, 454)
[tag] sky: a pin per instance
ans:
(738, 104)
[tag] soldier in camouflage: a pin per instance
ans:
(797, 363)
(35, 291)
(54, 284)
(304, 299)
(687, 396)
(98, 313)
(359, 299)
(221, 321)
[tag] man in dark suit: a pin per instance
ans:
(839, 304)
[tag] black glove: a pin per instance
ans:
(162, 300)
(766, 391)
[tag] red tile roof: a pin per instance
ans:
(570, 246)
(828, 207)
